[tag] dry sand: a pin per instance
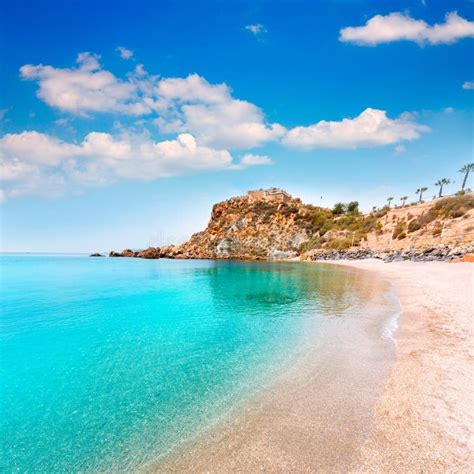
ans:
(424, 419)
(409, 412)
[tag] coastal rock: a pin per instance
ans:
(127, 253)
(149, 253)
(96, 255)
(273, 225)
(123, 253)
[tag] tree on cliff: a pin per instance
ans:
(353, 207)
(339, 208)
(420, 191)
(389, 200)
(441, 183)
(466, 169)
(403, 199)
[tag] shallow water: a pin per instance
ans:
(108, 364)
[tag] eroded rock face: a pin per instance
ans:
(253, 227)
(241, 228)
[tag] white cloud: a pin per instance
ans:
(468, 85)
(256, 28)
(189, 105)
(124, 52)
(371, 128)
(36, 163)
(35, 147)
(192, 88)
(254, 160)
(400, 26)
(86, 88)
(211, 114)
(205, 119)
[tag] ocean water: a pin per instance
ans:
(108, 364)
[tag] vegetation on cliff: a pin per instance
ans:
(249, 228)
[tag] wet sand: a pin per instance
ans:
(354, 403)
(318, 413)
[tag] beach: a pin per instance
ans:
(410, 411)
(424, 419)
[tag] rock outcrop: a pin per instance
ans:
(242, 228)
(270, 224)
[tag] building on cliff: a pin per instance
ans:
(271, 194)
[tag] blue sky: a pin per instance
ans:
(123, 122)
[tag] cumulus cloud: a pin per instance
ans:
(86, 88)
(468, 85)
(256, 29)
(188, 105)
(37, 163)
(124, 52)
(211, 114)
(371, 128)
(204, 120)
(401, 27)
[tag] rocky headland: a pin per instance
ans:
(273, 225)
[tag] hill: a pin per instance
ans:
(271, 224)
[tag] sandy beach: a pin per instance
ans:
(424, 419)
(406, 410)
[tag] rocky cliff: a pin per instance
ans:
(278, 226)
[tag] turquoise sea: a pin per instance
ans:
(108, 364)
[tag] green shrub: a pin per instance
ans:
(340, 244)
(310, 244)
(455, 206)
(413, 226)
(399, 228)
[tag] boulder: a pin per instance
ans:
(149, 253)
(127, 253)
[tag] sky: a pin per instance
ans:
(122, 123)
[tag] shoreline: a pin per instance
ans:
(322, 403)
(418, 419)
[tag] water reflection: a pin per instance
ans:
(285, 288)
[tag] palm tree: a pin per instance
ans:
(465, 169)
(389, 200)
(403, 199)
(441, 183)
(420, 191)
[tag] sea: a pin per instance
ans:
(110, 364)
